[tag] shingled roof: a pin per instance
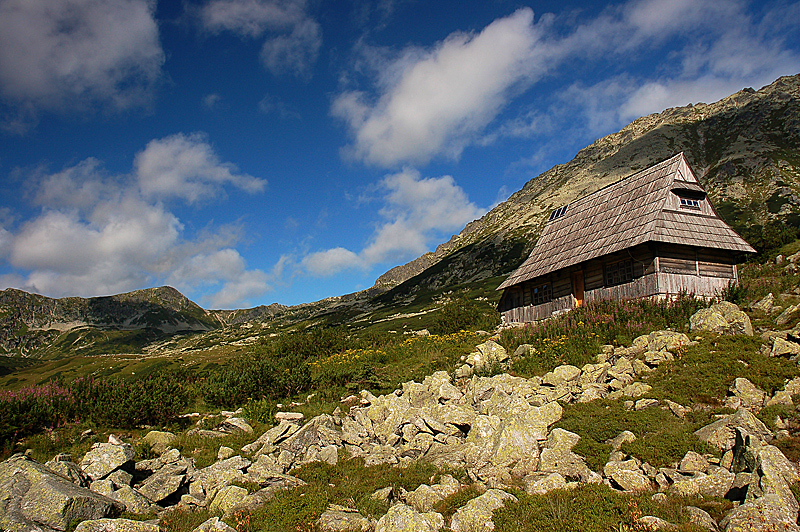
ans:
(627, 213)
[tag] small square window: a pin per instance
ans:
(690, 203)
(542, 294)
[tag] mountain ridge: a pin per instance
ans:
(744, 148)
(761, 164)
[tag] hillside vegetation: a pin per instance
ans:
(409, 393)
(317, 370)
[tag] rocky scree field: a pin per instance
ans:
(617, 416)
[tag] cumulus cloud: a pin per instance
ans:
(225, 269)
(435, 102)
(332, 261)
(103, 234)
(186, 167)
(57, 54)
(293, 37)
(420, 103)
(416, 211)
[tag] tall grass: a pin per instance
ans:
(575, 337)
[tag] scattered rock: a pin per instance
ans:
(232, 425)
(292, 417)
(228, 498)
(701, 518)
(630, 480)
(765, 514)
(342, 519)
(764, 305)
(403, 518)
(34, 498)
(476, 515)
(784, 348)
(158, 441)
(103, 458)
(721, 433)
(721, 318)
(538, 485)
(790, 314)
(215, 524)
(751, 397)
(656, 523)
(116, 525)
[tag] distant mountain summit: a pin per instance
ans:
(29, 321)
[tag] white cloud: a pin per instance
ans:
(294, 37)
(331, 261)
(186, 166)
(225, 269)
(435, 102)
(99, 234)
(57, 54)
(428, 103)
(416, 212)
(295, 52)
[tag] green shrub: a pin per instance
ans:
(260, 410)
(153, 399)
(181, 520)
(462, 314)
(705, 371)
(588, 508)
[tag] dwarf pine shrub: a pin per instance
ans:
(462, 314)
(153, 399)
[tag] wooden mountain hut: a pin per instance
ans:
(652, 234)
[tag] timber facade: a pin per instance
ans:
(653, 234)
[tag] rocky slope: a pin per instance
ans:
(744, 148)
(501, 431)
(30, 321)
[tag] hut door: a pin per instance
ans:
(577, 288)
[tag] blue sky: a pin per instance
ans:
(257, 151)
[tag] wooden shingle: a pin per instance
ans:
(622, 215)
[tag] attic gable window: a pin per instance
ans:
(690, 203)
(558, 213)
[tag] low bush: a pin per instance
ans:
(588, 508)
(348, 483)
(705, 371)
(154, 399)
(661, 437)
(461, 314)
(576, 337)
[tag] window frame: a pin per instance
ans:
(617, 273)
(541, 294)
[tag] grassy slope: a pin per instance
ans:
(701, 375)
